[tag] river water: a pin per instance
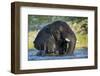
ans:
(78, 53)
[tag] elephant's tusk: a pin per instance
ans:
(67, 39)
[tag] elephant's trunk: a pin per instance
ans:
(72, 44)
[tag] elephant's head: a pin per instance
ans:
(67, 33)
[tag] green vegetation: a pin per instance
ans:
(78, 24)
(82, 41)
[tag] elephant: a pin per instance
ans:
(65, 32)
(53, 38)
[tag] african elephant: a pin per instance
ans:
(53, 38)
(61, 30)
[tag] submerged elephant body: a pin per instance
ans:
(52, 39)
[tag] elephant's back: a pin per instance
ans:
(42, 38)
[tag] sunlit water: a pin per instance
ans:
(79, 53)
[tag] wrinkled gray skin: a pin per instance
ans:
(52, 35)
(63, 46)
(63, 29)
(45, 42)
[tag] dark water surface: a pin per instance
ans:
(79, 53)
